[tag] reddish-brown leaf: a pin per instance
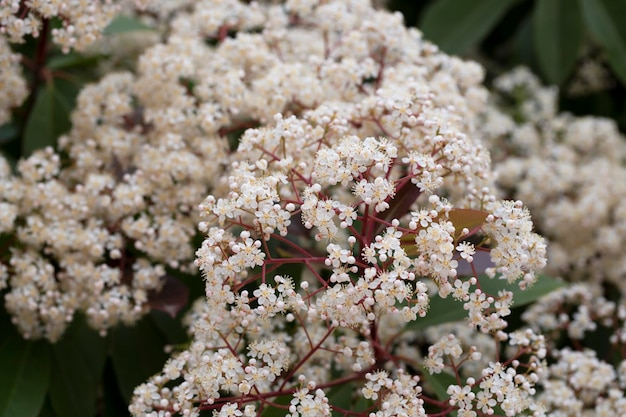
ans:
(401, 203)
(466, 218)
(172, 298)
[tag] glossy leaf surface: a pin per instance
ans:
(557, 35)
(445, 310)
(603, 22)
(78, 363)
(457, 25)
(24, 376)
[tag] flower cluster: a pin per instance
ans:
(72, 25)
(82, 21)
(94, 227)
(591, 75)
(339, 217)
(586, 383)
(12, 84)
(579, 383)
(570, 171)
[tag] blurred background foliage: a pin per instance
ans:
(577, 45)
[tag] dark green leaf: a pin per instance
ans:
(170, 327)
(363, 405)
(605, 27)
(67, 90)
(71, 60)
(46, 410)
(341, 396)
(8, 132)
(617, 9)
(522, 45)
(123, 24)
(77, 370)
(543, 286)
(113, 405)
(441, 311)
(47, 120)
(24, 376)
(557, 33)
(275, 411)
(137, 354)
(445, 310)
(39, 131)
(6, 327)
(457, 25)
(439, 383)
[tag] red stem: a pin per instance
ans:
(38, 67)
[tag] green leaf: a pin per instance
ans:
(170, 327)
(123, 24)
(363, 405)
(49, 118)
(39, 131)
(457, 25)
(275, 411)
(7, 329)
(8, 132)
(522, 45)
(557, 35)
(439, 383)
(71, 60)
(77, 371)
(24, 377)
(543, 286)
(341, 396)
(137, 354)
(445, 310)
(605, 25)
(46, 410)
(113, 405)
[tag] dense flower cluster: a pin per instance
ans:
(95, 226)
(82, 21)
(581, 380)
(570, 171)
(81, 25)
(591, 75)
(338, 217)
(12, 84)
(70, 25)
